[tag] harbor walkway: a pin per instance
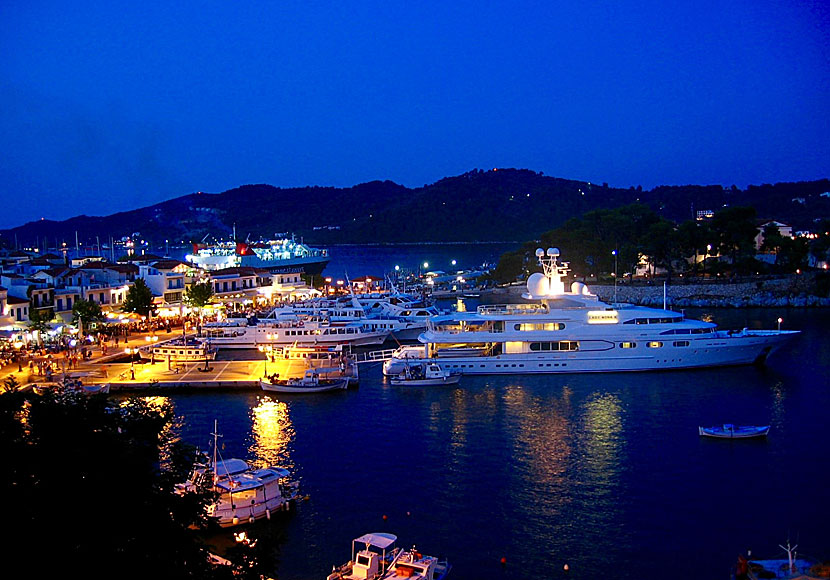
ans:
(113, 368)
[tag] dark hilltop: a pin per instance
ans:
(477, 206)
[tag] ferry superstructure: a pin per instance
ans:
(274, 255)
(559, 331)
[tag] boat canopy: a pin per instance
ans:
(231, 467)
(280, 471)
(378, 540)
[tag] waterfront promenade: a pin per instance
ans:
(111, 368)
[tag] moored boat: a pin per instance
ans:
(380, 559)
(331, 362)
(297, 330)
(790, 565)
(179, 350)
(571, 331)
(310, 382)
(274, 255)
(245, 493)
(730, 431)
(425, 374)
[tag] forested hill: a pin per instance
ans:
(493, 205)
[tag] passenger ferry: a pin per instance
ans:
(559, 331)
(274, 255)
(242, 333)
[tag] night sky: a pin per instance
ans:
(110, 106)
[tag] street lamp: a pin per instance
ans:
(261, 348)
(708, 249)
(780, 320)
(614, 253)
(132, 352)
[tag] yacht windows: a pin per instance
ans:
(530, 326)
(628, 345)
(559, 345)
(663, 320)
(654, 344)
(681, 343)
(603, 317)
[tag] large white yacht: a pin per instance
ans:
(559, 331)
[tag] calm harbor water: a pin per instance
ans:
(605, 473)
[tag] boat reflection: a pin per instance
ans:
(272, 433)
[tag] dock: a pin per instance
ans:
(121, 376)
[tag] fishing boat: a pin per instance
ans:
(310, 382)
(730, 431)
(380, 559)
(245, 493)
(425, 374)
(569, 330)
(331, 362)
(790, 565)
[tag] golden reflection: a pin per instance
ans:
(272, 433)
(542, 442)
(602, 437)
(156, 401)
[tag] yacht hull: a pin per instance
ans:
(714, 352)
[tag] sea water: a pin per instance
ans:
(604, 473)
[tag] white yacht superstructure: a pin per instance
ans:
(290, 331)
(559, 331)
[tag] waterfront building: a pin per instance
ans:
(235, 287)
(166, 279)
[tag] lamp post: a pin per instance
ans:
(614, 253)
(780, 320)
(261, 348)
(708, 249)
(131, 352)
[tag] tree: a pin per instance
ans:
(115, 467)
(39, 322)
(139, 298)
(692, 238)
(735, 231)
(198, 296)
(85, 313)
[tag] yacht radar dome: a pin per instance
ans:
(540, 252)
(553, 252)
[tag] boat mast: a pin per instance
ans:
(215, 447)
(791, 554)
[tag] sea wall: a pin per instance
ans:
(792, 291)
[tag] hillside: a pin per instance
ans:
(494, 205)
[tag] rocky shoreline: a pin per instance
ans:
(793, 291)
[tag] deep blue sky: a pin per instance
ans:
(107, 106)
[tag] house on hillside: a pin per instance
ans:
(785, 230)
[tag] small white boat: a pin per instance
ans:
(730, 431)
(310, 382)
(379, 559)
(424, 375)
(331, 362)
(245, 493)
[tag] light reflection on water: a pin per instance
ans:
(272, 433)
(603, 472)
